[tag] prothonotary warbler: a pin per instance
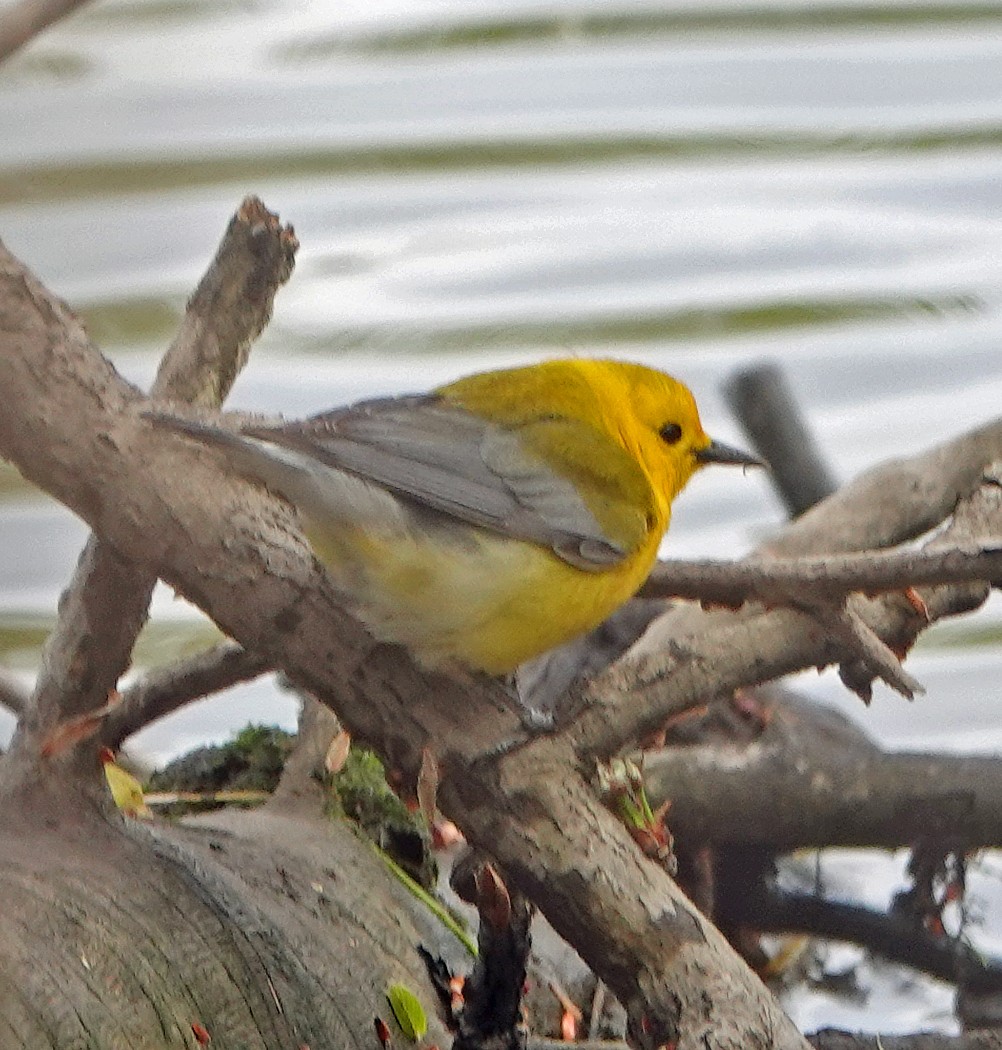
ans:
(495, 517)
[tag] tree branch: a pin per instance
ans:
(811, 779)
(764, 404)
(166, 689)
(23, 21)
(894, 937)
(106, 604)
(12, 696)
(775, 581)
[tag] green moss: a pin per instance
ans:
(252, 761)
(361, 793)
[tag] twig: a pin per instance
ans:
(12, 696)
(597, 1009)
(851, 631)
(896, 938)
(790, 581)
(163, 690)
(764, 404)
(23, 21)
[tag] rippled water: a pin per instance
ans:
(697, 185)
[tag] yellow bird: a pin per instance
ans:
(495, 517)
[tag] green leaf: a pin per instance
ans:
(408, 1011)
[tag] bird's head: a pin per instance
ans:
(669, 438)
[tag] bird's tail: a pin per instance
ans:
(208, 433)
(321, 492)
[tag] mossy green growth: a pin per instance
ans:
(360, 793)
(251, 761)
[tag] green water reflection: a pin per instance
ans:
(601, 26)
(37, 184)
(22, 635)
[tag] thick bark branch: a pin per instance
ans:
(617, 908)
(811, 780)
(105, 606)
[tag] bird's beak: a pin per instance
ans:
(718, 452)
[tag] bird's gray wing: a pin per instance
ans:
(443, 458)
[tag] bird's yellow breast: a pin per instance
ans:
(482, 600)
(455, 592)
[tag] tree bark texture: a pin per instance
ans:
(269, 931)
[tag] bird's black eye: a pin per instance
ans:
(670, 433)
